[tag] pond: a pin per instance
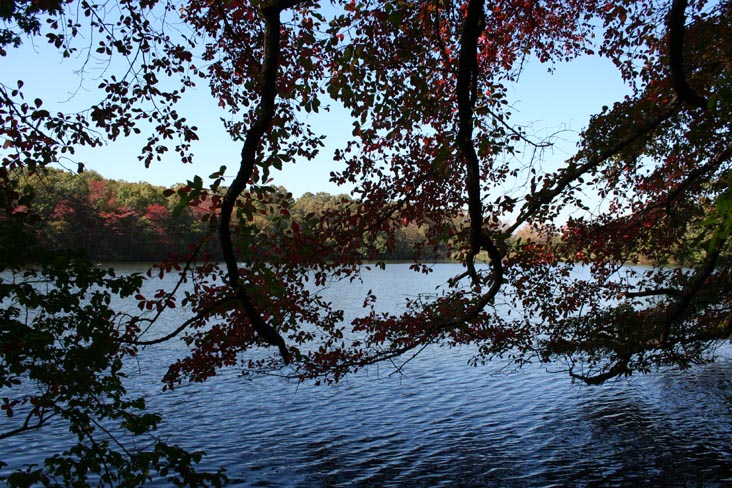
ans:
(442, 422)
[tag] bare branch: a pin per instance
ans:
(618, 368)
(653, 293)
(573, 171)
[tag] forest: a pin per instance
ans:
(110, 220)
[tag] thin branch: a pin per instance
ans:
(712, 164)
(172, 293)
(27, 426)
(573, 171)
(678, 309)
(515, 132)
(200, 315)
(618, 368)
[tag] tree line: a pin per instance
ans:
(114, 220)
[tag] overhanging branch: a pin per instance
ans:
(574, 171)
(467, 82)
(676, 28)
(265, 113)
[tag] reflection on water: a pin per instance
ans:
(450, 425)
(446, 424)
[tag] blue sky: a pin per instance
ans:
(561, 101)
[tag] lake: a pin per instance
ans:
(442, 422)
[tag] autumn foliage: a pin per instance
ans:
(433, 146)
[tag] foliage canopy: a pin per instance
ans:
(432, 144)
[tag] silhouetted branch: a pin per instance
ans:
(265, 113)
(676, 28)
(573, 171)
(467, 82)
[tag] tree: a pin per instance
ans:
(433, 145)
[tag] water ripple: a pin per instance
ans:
(444, 424)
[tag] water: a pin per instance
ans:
(444, 423)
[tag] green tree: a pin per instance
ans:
(139, 196)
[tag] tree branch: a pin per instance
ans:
(467, 82)
(678, 309)
(618, 368)
(200, 315)
(652, 293)
(38, 411)
(676, 28)
(694, 175)
(265, 113)
(573, 171)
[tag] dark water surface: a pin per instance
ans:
(444, 423)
